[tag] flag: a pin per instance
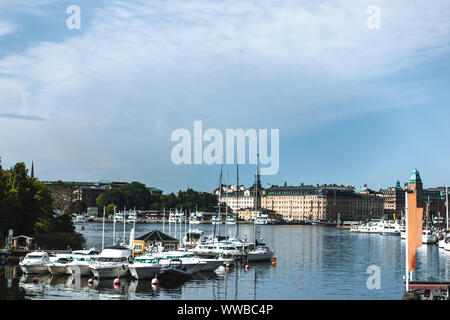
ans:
(415, 218)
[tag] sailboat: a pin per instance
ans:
(427, 235)
(260, 252)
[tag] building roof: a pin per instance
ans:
(415, 176)
(22, 236)
(156, 235)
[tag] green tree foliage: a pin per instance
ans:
(26, 205)
(130, 195)
(137, 195)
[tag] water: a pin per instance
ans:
(313, 262)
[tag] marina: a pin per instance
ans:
(312, 262)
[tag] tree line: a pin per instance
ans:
(136, 195)
(27, 206)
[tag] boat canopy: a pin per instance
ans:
(115, 252)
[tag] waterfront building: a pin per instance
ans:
(248, 214)
(323, 203)
(436, 198)
(415, 185)
(240, 197)
(155, 239)
(394, 201)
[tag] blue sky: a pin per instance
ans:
(353, 105)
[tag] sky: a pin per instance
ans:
(353, 104)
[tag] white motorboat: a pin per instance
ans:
(261, 219)
(389, 228)
(192, 237)
(191, 263)
(112, 263)
(132, 217)
(196, 218)
(176, 217)
(35, 262)
(216, 220)
(80, 219)
(81, 262)
(118, 217)
(59, 266)
(144, 267)
(230, 220)
(213, 249)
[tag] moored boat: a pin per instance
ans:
(112, 263)
(35, 262)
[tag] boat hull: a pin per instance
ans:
(110, 271)
(428, 239)
(171, 275)
(85, 271)
(144, 272)
(34, 268)
(58, 270)
(259, 257)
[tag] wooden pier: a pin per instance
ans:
(431, 290)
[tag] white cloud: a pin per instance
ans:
(141, 69)
(6, 27)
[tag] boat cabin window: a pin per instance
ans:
(122, 259)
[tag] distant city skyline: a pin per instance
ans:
(353, 105)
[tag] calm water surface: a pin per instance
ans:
(313, 262)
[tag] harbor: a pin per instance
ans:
(312, 262)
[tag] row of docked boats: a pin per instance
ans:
(383, 227)
(119, 261)
(394, 228)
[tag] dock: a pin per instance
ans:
(431, 289)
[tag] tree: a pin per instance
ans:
(63, 196)
(130, 195)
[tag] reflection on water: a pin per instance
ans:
(313, 262)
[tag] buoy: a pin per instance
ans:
(274, 259)
(155, 281)
(246, 267)
(90, 282)
(35, 280)
(116, 283)
(227, 266)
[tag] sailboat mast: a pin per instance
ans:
(103, 229)
(114, 227)
(446, 205)
(220, 199)
(164, 218)
(237, 200)
(226, 208)
(256, 199)
(124, 210)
